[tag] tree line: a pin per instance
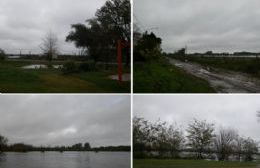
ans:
(200, 140)
(21, 147)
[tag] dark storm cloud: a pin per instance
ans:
(231, 111)
(65, 120)
(202, 25)
(23, 23)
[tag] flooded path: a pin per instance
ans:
(222, 81)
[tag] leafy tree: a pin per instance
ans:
(111, 23)
(158, 136)
(250, 147)
(200, 136)
(148, 48)
(141, 136)
(175, 140)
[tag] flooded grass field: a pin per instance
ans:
(65, 160)
(37, 77)
(157, 163)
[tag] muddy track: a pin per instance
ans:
(222, 81)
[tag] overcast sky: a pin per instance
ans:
(23, 23)
(65, 120)
(218, 25)
(229, 111)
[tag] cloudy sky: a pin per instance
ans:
(23, 23)
(229, 111)
(222, 25)
(65, 120)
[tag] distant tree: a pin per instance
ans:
(209, 53)
(87, 146)
(2, 55)
(77, 147)
(200, 136)
(181, 52)
(250, 147)
(224, 143)
(49, 46)
(3, 142)
(21, 147)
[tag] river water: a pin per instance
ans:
(65, 160)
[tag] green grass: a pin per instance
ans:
(153, 163)
(164, 78)
(14, 79)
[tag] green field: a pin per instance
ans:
(14, 79)
(164, 78)
(153, 163)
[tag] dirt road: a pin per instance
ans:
(222, 81)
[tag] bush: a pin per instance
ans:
(87, 66)
(2, 55)
(70, 67)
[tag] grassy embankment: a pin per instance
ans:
(158, 77)
(153, 163)
(245, 65)
(14, 79)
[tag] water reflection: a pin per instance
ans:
(41, 66)
(66, 160)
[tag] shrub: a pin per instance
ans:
(70, 67)
(2, 55)
(87, 66)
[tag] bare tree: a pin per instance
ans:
(224, 143)
(49, 45)
(200, 136)
(238, 148)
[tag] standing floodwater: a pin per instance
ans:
(65, 160)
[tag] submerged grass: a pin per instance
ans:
(153, 163)
(14, 79)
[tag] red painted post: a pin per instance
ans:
(119, 60)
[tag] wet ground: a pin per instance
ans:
(222, 81)
(41, 66)
(125, 77)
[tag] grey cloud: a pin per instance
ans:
(23, 23)
(202, 25)
(236, 111)
(63, 120)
